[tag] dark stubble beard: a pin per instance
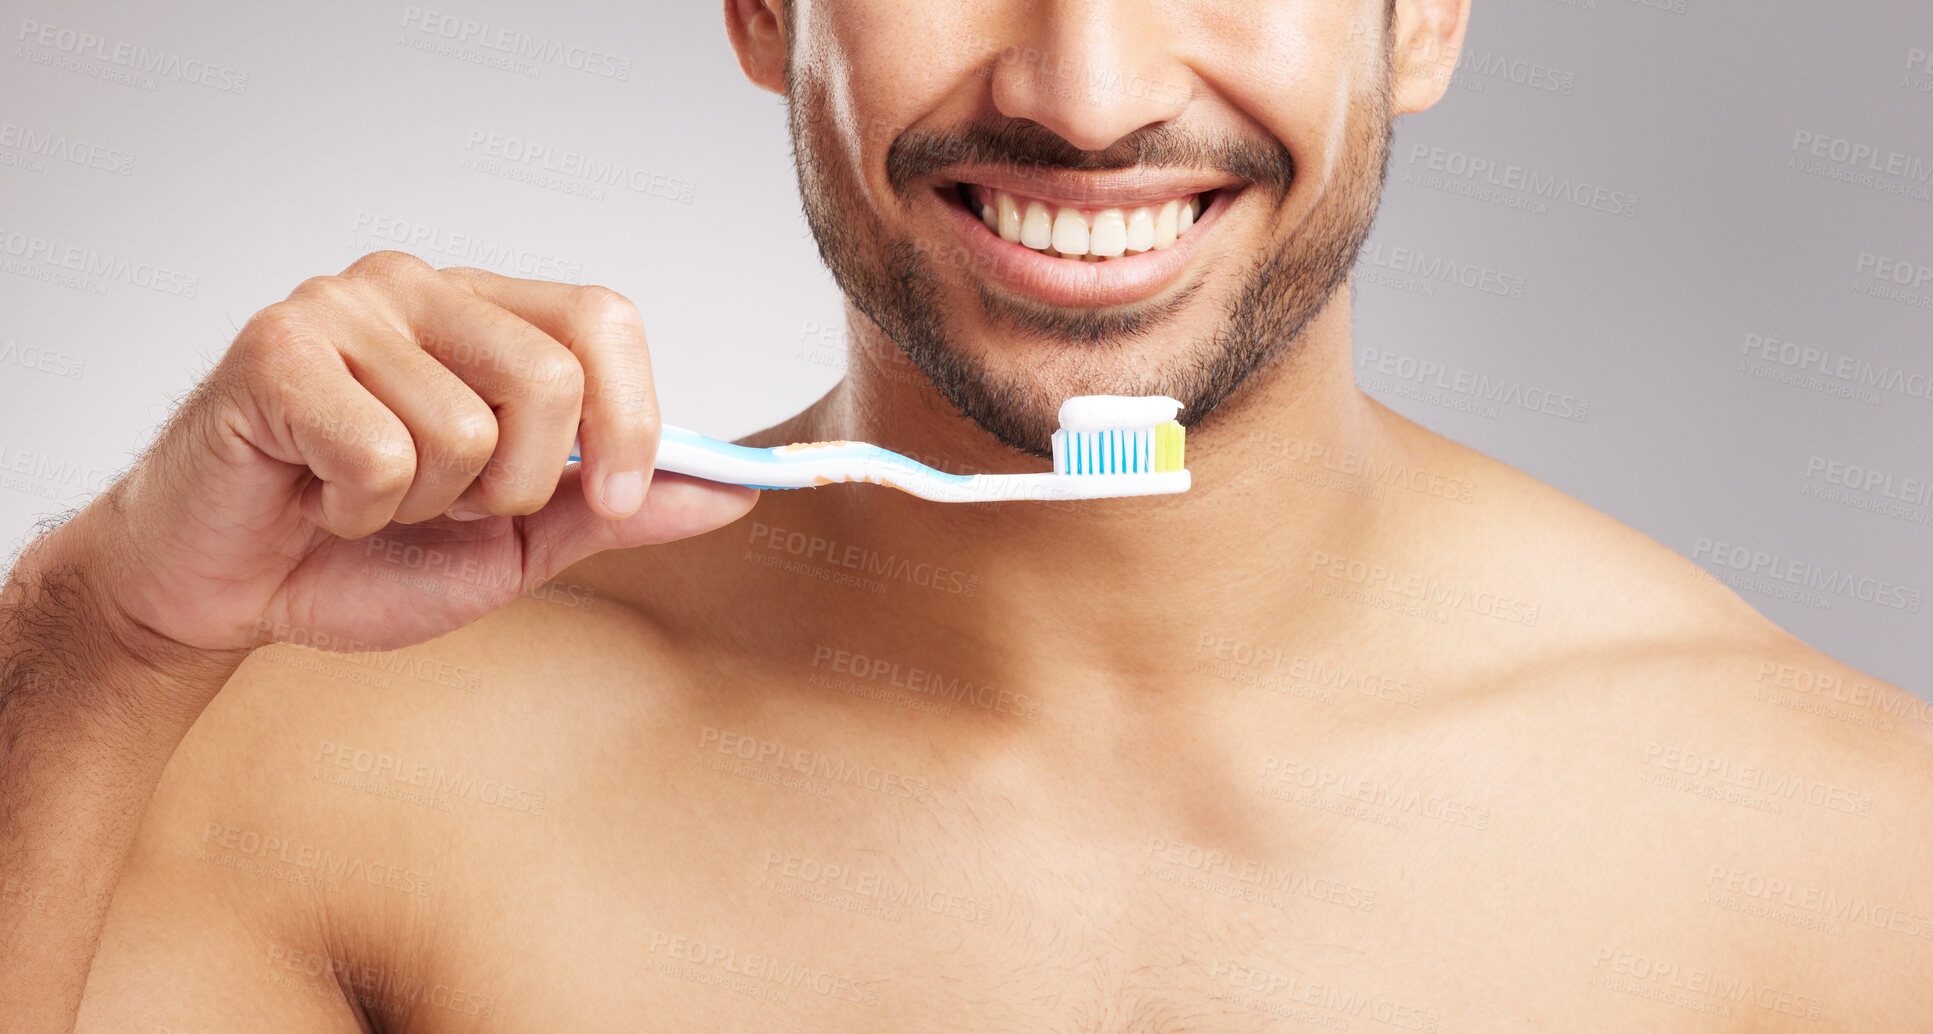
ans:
(897, 282)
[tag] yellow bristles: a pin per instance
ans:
(1167, 446)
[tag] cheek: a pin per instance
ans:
(888, 65)
(1289, 71)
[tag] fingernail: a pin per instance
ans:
(464, 512)
(624, 491)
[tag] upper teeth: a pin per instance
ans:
(1086, 234)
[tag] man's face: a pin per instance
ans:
(955, 157)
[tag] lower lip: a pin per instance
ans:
(1072, 282)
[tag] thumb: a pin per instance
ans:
(675, 506)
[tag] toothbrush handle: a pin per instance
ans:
(688, 452)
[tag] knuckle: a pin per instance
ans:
(322, 290)
(465, 274)
(389, 265)
(604, 308)
(388, 465)
(283, 321)
(472, 433)
(274, 338)
(324, 299)
(466, 442)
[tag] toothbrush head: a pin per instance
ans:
(1118, 434)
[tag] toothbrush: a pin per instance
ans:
(1107, 446)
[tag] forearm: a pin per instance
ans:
(91, 708)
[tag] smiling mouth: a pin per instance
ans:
(1084, 234)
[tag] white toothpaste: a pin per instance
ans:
(1083, 414)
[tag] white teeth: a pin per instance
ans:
(1091, 236)
(1037, 230)
(1070, 232)
(1009, 228)
(1110, 236)
(1141, 229)
(1165, 226)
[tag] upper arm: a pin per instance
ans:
(234, 907)
(1849, 760)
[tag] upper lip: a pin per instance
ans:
(1098, 188)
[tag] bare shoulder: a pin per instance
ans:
(1786, 793)
(1631, 618)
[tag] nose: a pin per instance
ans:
(1092, 71)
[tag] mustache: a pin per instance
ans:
(1021, 144)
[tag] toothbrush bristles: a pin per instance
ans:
(1119, 451)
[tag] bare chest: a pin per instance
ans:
(766, 886)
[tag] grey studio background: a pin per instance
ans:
(1674, 257)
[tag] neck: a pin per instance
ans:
(1056, 594)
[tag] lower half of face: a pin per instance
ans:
(1011, 302)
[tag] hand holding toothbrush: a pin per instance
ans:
(381, 427)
